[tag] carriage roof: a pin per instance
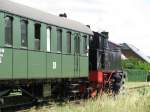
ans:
(41, 16)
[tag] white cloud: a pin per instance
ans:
(126, 20)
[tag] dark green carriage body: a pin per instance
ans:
(28, 63)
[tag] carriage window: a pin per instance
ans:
(77, 44)
(48, 39)
(85, 44)
(59, 40)
(24, 33)
(37, 34)
(8, 30)
(68, 42)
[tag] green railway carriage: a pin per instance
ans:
(42, 55)
(36, 46)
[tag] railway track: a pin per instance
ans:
(138, 87)
(25, 107)
(16, 103)
(22, 107)
(14, 108)
(26, 104)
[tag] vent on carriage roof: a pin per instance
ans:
(131, 51)
(63, 15)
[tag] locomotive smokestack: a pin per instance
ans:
(88, 26)
(105, 34)
(63, 15)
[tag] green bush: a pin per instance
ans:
(133, 63)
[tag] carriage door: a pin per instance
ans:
(77, 55)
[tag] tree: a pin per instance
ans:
(133, 63)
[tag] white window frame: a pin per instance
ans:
(48, 39)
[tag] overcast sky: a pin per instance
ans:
(127, 20)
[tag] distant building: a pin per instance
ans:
(113, 45)
(129, 50)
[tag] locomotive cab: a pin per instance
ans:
(104, 62)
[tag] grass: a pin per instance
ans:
(129, 101)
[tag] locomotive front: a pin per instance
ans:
(105, 63)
